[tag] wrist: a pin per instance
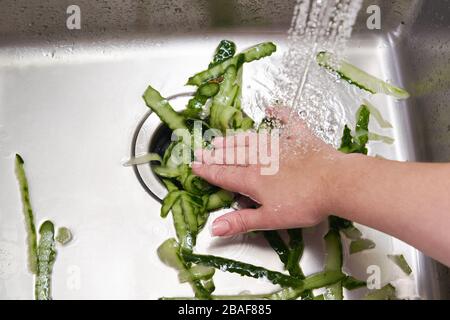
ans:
(346, 170)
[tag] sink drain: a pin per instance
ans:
(153, 136)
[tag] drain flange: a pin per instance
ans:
(153, 136)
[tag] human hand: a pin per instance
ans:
(297, 195)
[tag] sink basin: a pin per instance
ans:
(70, 103)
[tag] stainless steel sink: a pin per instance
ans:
(70, 103)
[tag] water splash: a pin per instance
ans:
(318, 97)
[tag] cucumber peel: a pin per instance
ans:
(242, 268)
(28, 214)
(163, 109)
(146, 158)
(361, 245)
(401, 262)
(63, 236)
(254, 53)
(198, 272)
(46, 259)
(351, 283)
(358, 77)
(333, 263)
(385, 293)
(168, 253)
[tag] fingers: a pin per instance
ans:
(239, 222)
(240, 156)
(239, 140)
(233, 178)
(242, 149)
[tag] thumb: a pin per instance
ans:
(239, 222)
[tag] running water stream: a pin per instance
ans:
(324, 101)
(316, 26)
(318, 97)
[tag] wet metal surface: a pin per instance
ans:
(70, 103)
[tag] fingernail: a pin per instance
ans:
(220, 228)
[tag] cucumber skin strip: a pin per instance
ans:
(212, 73)
(189, 215)
(219, 199)
(351, 283)
(224, 51)
(361, 245)
(169, 201)
(166, 172)
(314, 281)
(63, 236)
(163, 109)
(383, 123)
(322, 279)
(334, 262)
(276, 242)
(297, 246)
(181, 228)
(345, 71)
(401, 262)
(46, 258)
(254, 53)
(243, 269)
(197, 272)
(290, 257)
(223, 98)
(170, 186)
(168, 254)
(28, 214)
(333, 245)
(387, 292)
(146, 158)
(378, 137)
(334, 292)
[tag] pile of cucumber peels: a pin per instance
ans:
(217, 105)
